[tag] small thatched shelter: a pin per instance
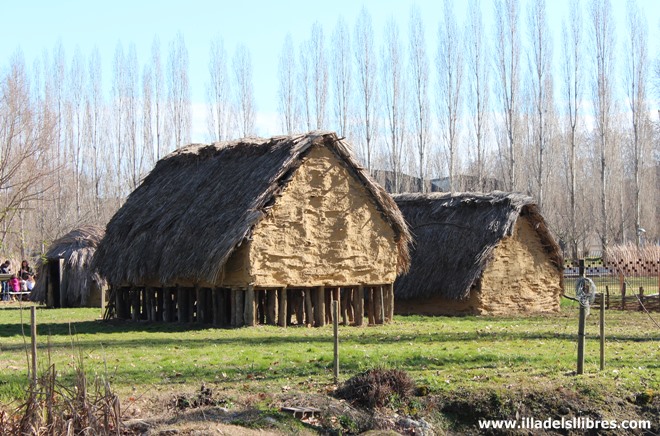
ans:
(256, 230)
(478, 254)
(65, 277)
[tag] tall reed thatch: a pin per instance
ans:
(201, 202)
(630, 260)
(78, 280)
(455, 236)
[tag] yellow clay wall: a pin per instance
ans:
(520, 278)
(323, 230)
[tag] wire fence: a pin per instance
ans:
(626, 284)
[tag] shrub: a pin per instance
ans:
(377, 388)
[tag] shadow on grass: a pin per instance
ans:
(253, 338)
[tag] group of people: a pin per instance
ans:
(23, 281)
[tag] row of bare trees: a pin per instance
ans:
(568, 121)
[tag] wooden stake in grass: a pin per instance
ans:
(602, 331)
(581, 323)
(33, 334)
(335, 330)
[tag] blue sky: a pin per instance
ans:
(35, 26)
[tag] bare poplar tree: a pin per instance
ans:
(118, 111)
(95, 119)
(305, 83)
(477, 48)
(603, 102)
(158, 95)
(135, 147)
(394, 98)
(342, 74)
(366, 67)
(244, 93)
(286, 92)
(419, 71)
(319, 74)
(636, 83)
(178, 92)
(76, 82)
(217, 89)
(542, 83)
(450, 67)
(507, 61)
(58, 84)
(147, 117)
(573, 94)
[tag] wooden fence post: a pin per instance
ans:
(602, 331)
(33, 337)
(581, 325)
(335, 330)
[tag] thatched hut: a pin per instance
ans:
(488, 254)
(256, 231)
(65, 277)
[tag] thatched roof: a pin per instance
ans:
(200, 203)
(77, 248)
(454, 238)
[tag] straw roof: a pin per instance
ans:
(77, 248)
(201, 202)
(455, 235)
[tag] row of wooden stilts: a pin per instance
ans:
(247, 307)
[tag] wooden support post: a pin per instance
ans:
(199, 307)
(350, 304)
(328, 306)
(151, 303)
(118, 303)
(602, 331)
(240, 307)
(260, 295)
(223, 307)
(641, 298)
(232, 304)
(215, 305)
(300, 306)
(191, 300)
(159, 303)
(371, 309)
(390, 301)
(581, 324)
(359, 306)
(167, 303)
(344, 305)
(143, 303)
(379, 312)
(271, 307)
(249, 313)
(282, 318)
(309, 308)
(335, 330)
(181, 300)
(319, 307)
(135, 303)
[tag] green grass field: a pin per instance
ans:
(441, 353)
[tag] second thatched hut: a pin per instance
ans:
(65, 276)
(256, 231)
(489, 254)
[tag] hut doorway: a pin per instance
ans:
(54, 282)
